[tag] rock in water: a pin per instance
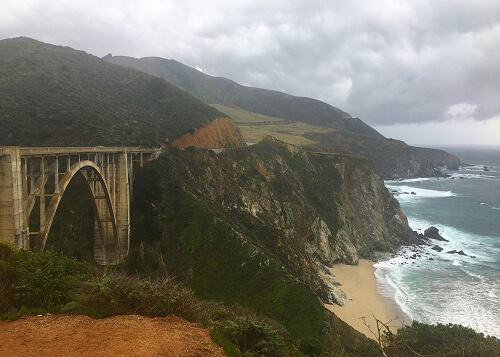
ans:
(459, 252)
(437, 248)
(433, 232)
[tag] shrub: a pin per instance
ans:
(255, 337)
(439, 340)
(7, 276)
(110, 293)
(36, 280)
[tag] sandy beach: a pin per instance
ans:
(364, 299)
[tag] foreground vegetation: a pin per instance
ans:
(39, 283)
(36, 283)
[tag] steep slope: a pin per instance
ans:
(57, 96)
(393, 158)
(244, 225)
(220, 133)
(262, 101)
(439, 157)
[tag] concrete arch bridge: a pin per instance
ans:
(33, 182)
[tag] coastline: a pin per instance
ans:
(364, 300)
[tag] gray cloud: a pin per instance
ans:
(386, 61)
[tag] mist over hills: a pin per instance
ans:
(57, 96)
(262, 101)
(393, 158)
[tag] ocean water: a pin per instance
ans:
(443, 287)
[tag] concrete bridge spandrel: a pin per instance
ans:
(33, 182)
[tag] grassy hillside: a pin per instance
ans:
(261, 101)
(255, 126)
(241, 116)
(57, 96)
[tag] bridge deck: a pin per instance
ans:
(24, 151)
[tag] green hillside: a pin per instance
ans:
(57, 96)
(261, 101)
(255, 126)
(241, 116)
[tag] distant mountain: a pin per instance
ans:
(58, 96)
(217, 90)
(393, 158)
(262, 112)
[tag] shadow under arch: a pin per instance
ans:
(95, 182)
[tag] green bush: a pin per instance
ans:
(36, 280)
(439, 340)
(110, 293)
(255, 337)
(7, 276)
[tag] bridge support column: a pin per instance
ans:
(13, 226)
(122, 204)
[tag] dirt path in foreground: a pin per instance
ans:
(116, 336)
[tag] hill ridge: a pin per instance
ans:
(56, 96)
(220, 90)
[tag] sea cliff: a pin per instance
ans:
(306, 210)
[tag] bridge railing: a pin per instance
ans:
(75, 150)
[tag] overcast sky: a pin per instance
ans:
(424, 71)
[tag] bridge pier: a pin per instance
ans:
(13, 226)
(38, 177)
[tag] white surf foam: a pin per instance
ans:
(477, 276)
(472, 176)
(411, 180)
(405, 192)
(472, 304)
(482, 247)
(390, 290)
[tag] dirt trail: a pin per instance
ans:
(116, 336)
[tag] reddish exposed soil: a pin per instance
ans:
(116, 336)
(219, 133)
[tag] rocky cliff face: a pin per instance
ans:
(219, 133)
(440, 158)
(302, 210)
(393, 158)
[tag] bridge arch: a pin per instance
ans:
(38, 177)
(105, 215)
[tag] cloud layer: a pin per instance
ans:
(386, 61)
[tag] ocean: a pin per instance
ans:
(439, 287)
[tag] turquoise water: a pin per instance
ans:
(443, 287)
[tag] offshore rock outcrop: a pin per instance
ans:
(303, 210)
